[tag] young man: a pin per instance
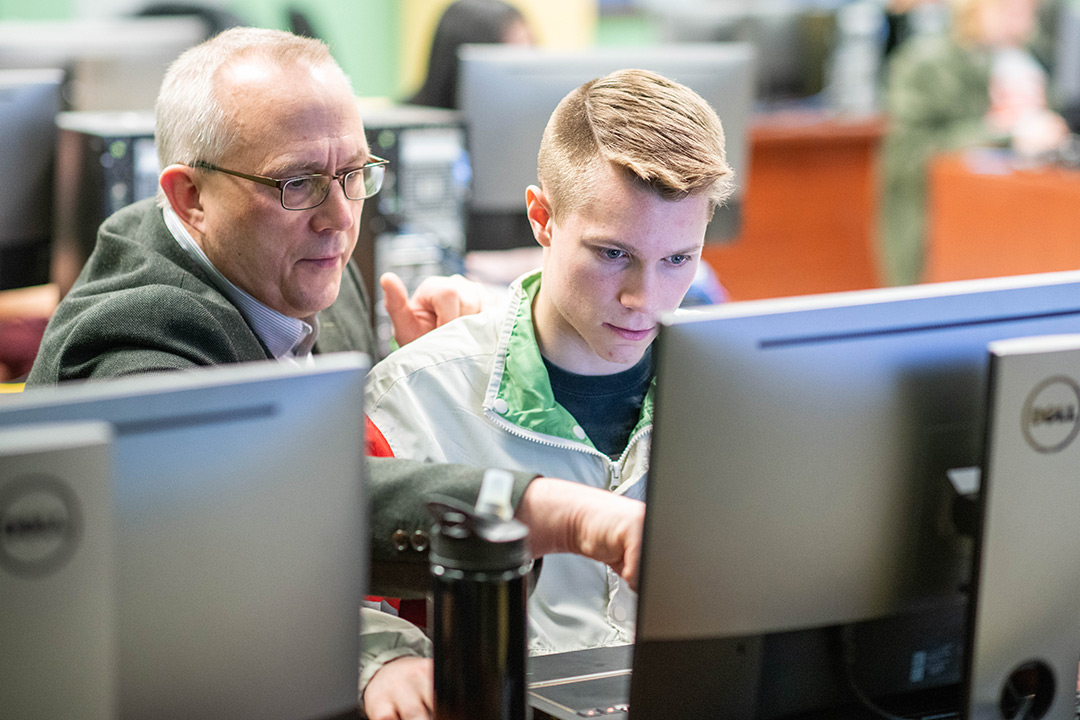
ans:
(631, 167)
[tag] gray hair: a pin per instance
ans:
(192, 123)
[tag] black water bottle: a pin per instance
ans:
(480, 563)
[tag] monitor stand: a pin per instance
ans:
(1023, 644)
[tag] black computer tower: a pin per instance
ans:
(415, 226)
(104, 162)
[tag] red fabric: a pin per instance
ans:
(376, 443)
(19, 341)
(392, 602)
(415, 611)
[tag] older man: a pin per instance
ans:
(245, 256)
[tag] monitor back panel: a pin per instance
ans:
(1027, 603)
(240, 534)
(57, 656)
(800, 459)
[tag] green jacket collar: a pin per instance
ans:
(521, 388)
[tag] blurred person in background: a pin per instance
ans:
(977, 84)
(463, 22)
(906, 18)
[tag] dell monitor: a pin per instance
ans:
(238, 531)
(805, 547)
(507, 93)
(1023, 655)
(57, 656)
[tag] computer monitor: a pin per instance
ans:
(507, 93)
(111, 64)
(1065, 82)
(56, 569)
(1023, 655)
(804, 546)
(794, 40)
(239, 534)
(29, 102)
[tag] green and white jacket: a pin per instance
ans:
(476, 392)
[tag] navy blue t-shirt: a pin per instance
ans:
(607, 407)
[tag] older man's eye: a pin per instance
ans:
(301, 184)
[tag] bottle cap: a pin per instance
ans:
(496, 493)
(465, 540)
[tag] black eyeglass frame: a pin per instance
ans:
(374, 162)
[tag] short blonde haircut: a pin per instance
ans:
(192, 122)
(661, 133)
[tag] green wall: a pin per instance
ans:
(363, 34)
(626, 28)
(37, 10)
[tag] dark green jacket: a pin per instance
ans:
(142, 304)
(938, 94)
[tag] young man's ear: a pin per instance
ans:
(178, 183)
(539, 211)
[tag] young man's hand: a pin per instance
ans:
(565, 516)
(437, 301)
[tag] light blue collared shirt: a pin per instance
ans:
(287, 338)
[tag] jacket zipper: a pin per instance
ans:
(614, 468)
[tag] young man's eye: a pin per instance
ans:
(612, 253)
(679, 259)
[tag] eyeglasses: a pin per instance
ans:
(308, 191)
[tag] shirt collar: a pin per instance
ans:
(284, 336)
(519, 387)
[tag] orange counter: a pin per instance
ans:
(988, 218)
(810, 209)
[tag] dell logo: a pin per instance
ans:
(1053, 414)
(1050, 421)
(40, 525)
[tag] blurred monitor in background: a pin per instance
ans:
(112, 66)
(109, 64)
(1065, 81)
(507, 93)
(794, 40)
(29, 101)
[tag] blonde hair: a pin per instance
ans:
(966, 25)
(661, 133)
(966, 18)
(192, 123)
